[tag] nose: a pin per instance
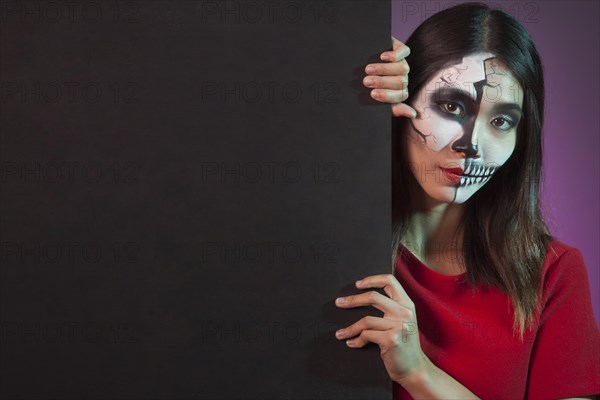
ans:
(467, 143)
(469, 149)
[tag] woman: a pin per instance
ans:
(482, 302)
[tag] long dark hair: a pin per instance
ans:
(505, 235)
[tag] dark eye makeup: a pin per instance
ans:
(453, 107)
(456, 109)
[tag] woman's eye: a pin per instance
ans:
(503, 123)
(453, 108)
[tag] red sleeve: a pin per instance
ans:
(565, 359)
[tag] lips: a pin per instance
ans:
(452, 174)
(473, 173)
(455, 171)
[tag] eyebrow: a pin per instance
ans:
(509, 107)
(443, 92)
(466, 96)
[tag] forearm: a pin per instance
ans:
(434, 383)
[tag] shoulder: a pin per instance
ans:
(564, 274)
(567, 323)
(561, 258)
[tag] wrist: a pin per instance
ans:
(419, 378)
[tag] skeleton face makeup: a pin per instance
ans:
(466, 127)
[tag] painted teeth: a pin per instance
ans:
(478, 171)
(476, 174)
(469, 180)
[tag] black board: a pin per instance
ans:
(186, 187)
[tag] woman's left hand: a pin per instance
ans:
(396, 332)
(389, 80)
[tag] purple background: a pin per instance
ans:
(566, 35)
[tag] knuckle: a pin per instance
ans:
(350, 331)
(404, 94)
(405, 67)
(371, 296)
(361, 337)
(409, 313)
(368, 320)
(392, 338)
(402, 84)
(383, 70)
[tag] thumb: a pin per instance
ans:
(403, 110)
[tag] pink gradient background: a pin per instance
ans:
(566, 34)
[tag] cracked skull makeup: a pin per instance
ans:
(466, 127)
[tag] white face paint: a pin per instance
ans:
(466, 127)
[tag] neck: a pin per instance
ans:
(435, 231)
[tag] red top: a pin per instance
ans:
(469, 335)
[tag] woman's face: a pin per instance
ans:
(466, 127)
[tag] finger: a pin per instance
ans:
(398, 45)
(403, 110)
(389, 96)
(395, 68)
(371, 298)
(368, 322)
(369, 336)
(386, 82)
(390, 286)
(399, 51)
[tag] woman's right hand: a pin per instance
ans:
(389, 81)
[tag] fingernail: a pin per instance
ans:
(359, 283)
(350, 342)
(340, 300)
(385, 57)
(375, 94)
(370, 69)
(340, 333)
(369, 81)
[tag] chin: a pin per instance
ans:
(452, 194)
(464, 194)
(441, 194)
